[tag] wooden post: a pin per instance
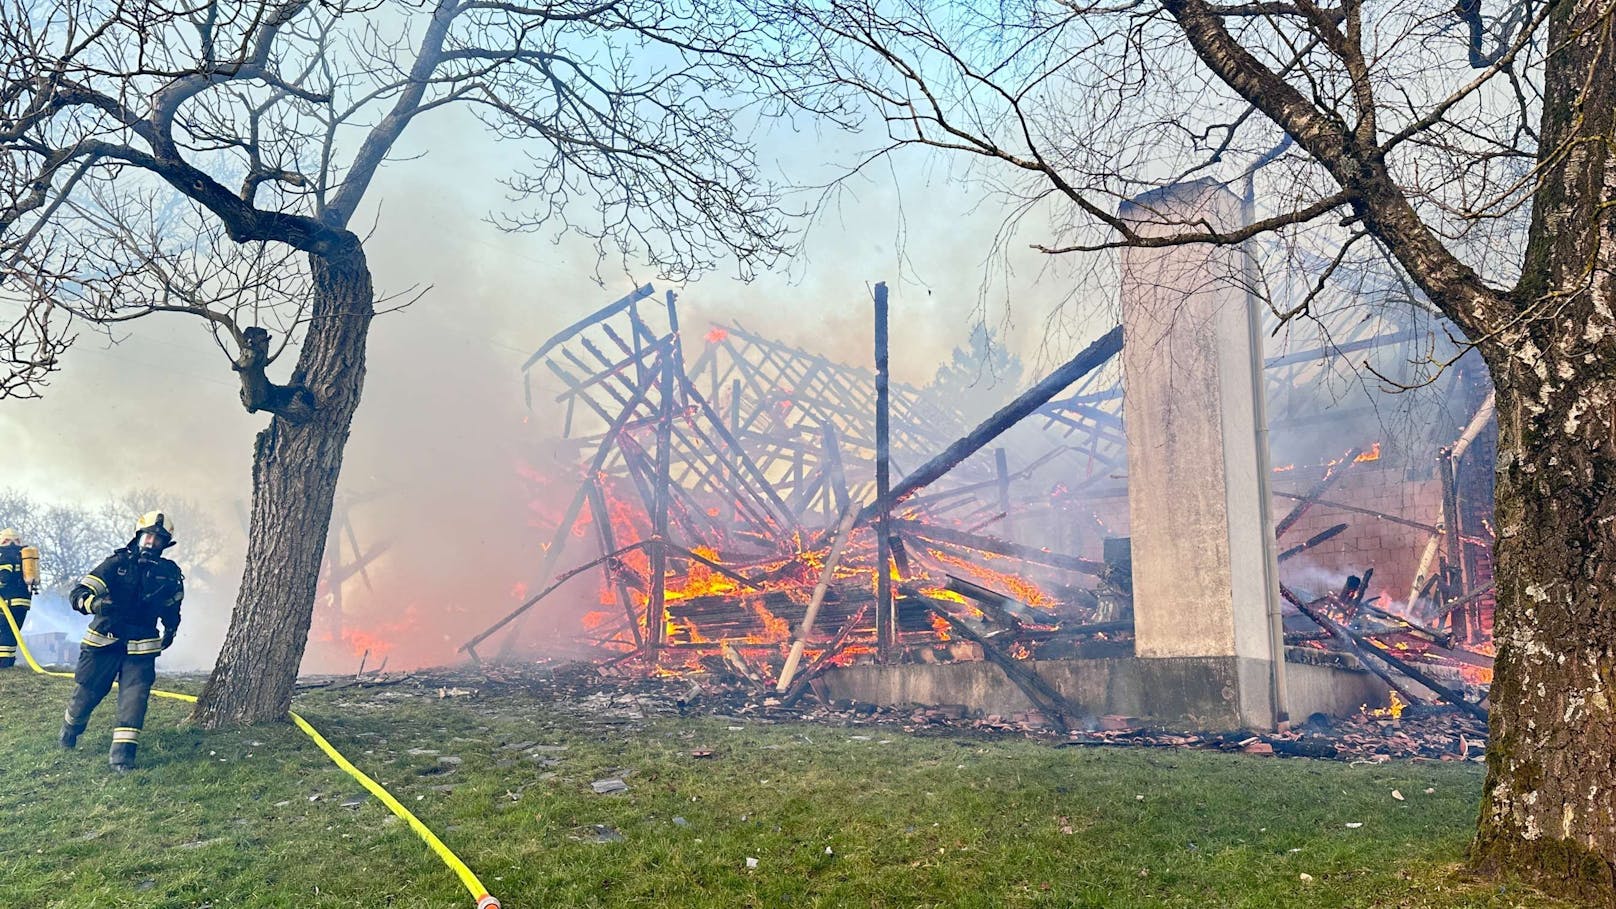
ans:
(656, 621)
(734, 427)
(826, 573)
(1002, 465)
(608, 543)
(836, 481)
(1453, 581)
(886, 619)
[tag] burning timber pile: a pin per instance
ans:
(722, 495)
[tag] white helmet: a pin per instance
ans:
(155, 521)
(154, 532)
(10, 537)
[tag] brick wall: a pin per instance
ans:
(1393, 550)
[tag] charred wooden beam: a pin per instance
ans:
(561, 336)
(683, 509)
(1409, 625)
(471, 645)
(610, 379)
(573, 382)
(1453, 570)
(1362, 648)
(1318, 489)
(935, 534)
(558, 542)
(837, 478)
(971, 489)
(886, 617)
(726, 572)
(1344, 640)
(822, 662)
(1001, 465)
(715, 474)
(603, 531)
(656, 620)
(826, 572)
(740, 457)
(1312, 541)
(1028, 401)
(609, 371)
(1468, 598)
(1040, 692)
(1403, 666)
(995, 604)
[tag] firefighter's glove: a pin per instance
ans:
(168, 637)
(93, 605)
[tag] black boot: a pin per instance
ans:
(122, 756)
(69, 737)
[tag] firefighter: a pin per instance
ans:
(19, 581)
(127, 594)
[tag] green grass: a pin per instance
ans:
(226, 819)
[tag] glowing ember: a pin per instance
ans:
(776, 628)
(1018, 588)
(702, 580)
(716, 335)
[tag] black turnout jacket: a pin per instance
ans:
(128, 595)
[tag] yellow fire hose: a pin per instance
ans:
(467, 877)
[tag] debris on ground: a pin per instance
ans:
(589, 691)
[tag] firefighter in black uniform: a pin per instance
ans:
(19, 581)
(127, 593)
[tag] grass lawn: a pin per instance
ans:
(859, 816)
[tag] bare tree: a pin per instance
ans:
(1467, 153)
(209, 158)
(74, 536)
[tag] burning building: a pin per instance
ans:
(729, 510)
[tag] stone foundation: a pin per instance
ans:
(1189, 693)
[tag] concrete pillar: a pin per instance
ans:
(1196, 515)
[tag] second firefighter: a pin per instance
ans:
(19, 581)
(128, 594)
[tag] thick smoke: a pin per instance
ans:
(437, 475)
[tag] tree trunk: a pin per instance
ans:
(1550, 799)
(295, 469)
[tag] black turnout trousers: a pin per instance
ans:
(97, 669)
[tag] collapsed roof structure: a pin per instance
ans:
(731, 491)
